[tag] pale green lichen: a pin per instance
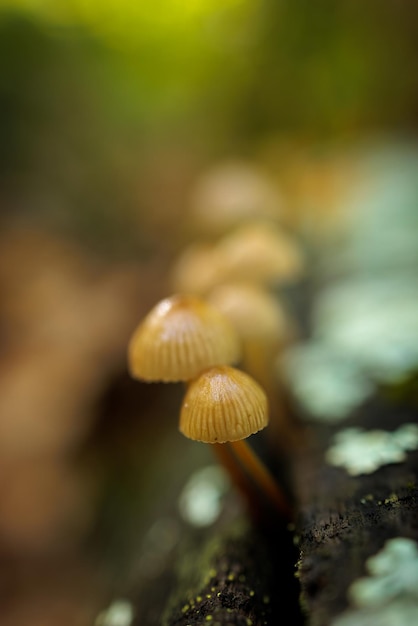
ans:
(362, 452)
(393, 572)
(326, 384)
(400, 612)
(372, 321)
(119, 613)
(201, 499)
(389, 595)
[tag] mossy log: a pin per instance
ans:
(255, 569)
(251, 568)
(239, 570)
(242, 576)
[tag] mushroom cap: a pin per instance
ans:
(181, 336)
(261, 252)
(223, 404)
(233, 191)
(255, 312)
(197, 269)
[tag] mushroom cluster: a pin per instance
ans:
(259, 251)
(243, 273)
(186, 338)
(226, 324)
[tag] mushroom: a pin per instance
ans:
(181, 336)
(197, 269)
(261, 252)
(258, 251)
(226, 405)
(180, 339)
(230, 192)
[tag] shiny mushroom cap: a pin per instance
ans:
(181, 336)
(223, 404)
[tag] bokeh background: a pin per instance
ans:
(130, 130)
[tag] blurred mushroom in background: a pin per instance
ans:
(231, 192)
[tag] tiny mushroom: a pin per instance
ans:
(197, 269)
(231, 192)
(181, 336)
(262, 252)
(225, 405)
(185, 338)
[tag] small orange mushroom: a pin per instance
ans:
(197, 269)
(225, 405)
(262, 252)
(184, 338)
(181, 336)
(231, 192)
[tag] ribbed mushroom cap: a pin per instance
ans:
(181, 336)
(223, 404)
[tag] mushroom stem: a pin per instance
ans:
(240, 479)
(262, 476)
(254, 472)
(258, 361)
(224, 406)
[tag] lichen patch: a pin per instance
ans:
(362, 452)
(388, 596)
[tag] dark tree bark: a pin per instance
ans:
(240, 570)
(253, 568)
(344, 519)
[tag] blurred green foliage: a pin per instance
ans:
(92, 91)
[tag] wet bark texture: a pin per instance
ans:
(255, 570)
(238, 574)
(343, 520)
(243, 577)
